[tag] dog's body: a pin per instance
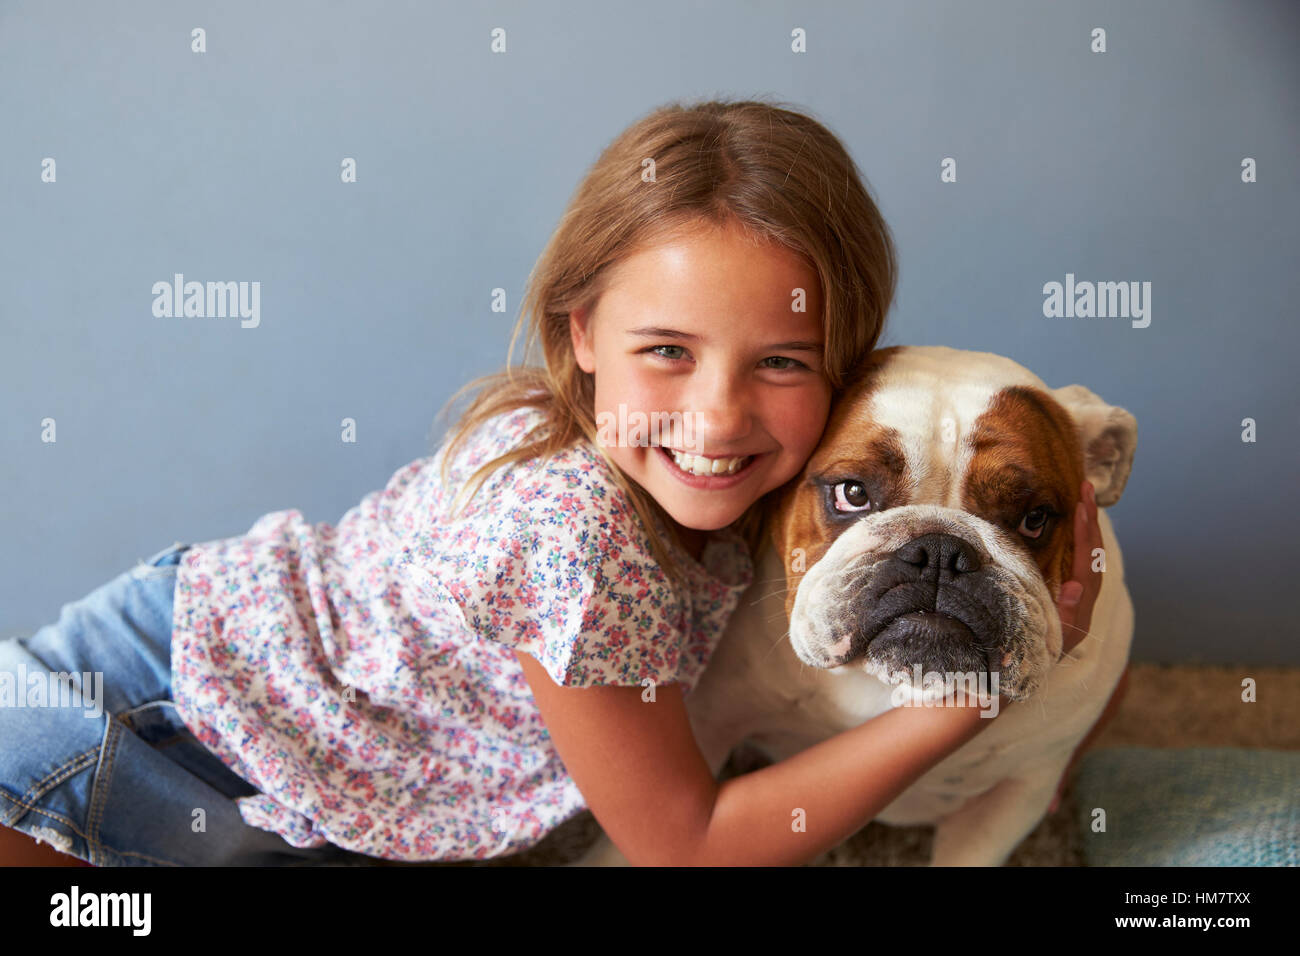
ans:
(986, 796)
(929, 572)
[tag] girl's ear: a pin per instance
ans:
(579, 323)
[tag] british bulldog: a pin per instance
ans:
(921, 551)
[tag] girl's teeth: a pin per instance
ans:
(709, 466)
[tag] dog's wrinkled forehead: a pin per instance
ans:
(941, 415)
(932, 425)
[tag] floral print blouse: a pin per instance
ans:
(363, 677)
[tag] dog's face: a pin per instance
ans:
(933, 526)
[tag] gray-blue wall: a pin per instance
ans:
(376, 296)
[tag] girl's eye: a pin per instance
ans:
(794, 363)
(656, 348)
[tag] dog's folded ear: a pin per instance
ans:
(1109, 436)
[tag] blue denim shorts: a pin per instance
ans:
(93, 757)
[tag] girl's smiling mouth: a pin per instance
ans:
(731, 471)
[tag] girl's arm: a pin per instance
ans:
(642, 774)
(645, 780)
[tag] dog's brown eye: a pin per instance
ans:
(1034, 522)
(852, 495)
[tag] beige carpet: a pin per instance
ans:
(1165, 706)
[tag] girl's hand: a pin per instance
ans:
(1077, 597)
(1079, 594)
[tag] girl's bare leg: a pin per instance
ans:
(18, 849)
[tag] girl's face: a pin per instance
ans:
(705, 326)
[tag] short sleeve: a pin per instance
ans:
(559, 575)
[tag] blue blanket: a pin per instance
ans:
(1190, 806)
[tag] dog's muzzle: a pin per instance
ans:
(933, 601)
(930, 589)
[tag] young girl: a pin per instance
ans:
(505, 634)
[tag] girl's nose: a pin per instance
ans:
(722, 417)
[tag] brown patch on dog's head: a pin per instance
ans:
(852, 446)
(1026, 454)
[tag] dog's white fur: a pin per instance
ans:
(988, 795)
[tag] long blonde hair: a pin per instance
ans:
(780, 175)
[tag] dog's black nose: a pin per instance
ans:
(939, 554)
